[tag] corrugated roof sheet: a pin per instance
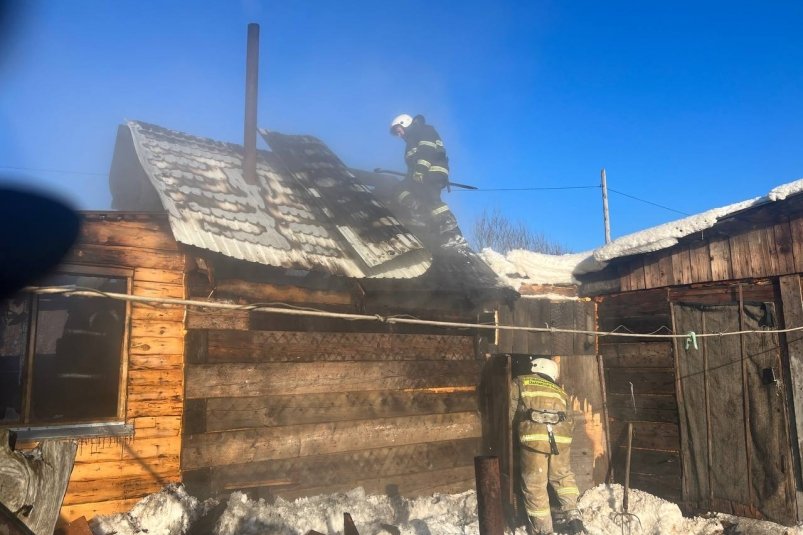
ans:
(321, 220)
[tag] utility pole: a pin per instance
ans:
(605, 215)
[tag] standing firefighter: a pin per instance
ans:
(427, 175)
(540, 413)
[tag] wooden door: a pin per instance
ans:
(732, 406)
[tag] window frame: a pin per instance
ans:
(110, 426)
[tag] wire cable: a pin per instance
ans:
(401, 319)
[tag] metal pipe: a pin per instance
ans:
(251, 84)
(489, 496)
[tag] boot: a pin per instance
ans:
(575, 527)
(538, 526)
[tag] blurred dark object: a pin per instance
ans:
(35, 234)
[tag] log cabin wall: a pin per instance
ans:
(112, 473)
(287, 406)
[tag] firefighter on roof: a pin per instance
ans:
(427, 175)
(541, 415)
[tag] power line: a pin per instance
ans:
(648, 202)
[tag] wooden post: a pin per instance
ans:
(489, 499)
(792, 303)
(605, 215)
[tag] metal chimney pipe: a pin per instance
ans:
(251, 82)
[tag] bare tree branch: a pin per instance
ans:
(496, 231)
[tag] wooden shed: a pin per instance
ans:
(714, 417)
(275, 404)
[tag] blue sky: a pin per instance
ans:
(690, 105)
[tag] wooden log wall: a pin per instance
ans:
(579, 371)
(283, 406)
(112, 474)
(765, 243)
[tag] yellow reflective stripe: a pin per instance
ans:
(438, 143)
(539, 513)
(438, 169)
(440, 210)
(411, 152)
(403, 194)
(543, 437)
(537, 381)
(424, 163)
(537, 394)
(568, 491)
(432, 144)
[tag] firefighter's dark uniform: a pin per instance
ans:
(538, 466)
(427, 175)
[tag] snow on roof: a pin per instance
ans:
(527, 267)
(668, 234)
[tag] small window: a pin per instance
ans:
(61, 356)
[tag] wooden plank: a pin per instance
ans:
(157, 328)
(796, 228)
(561, 314)
(447, 481)
(647, 435)
(119, 449)
(145, 378)
(230, 380)
(652, 269)
(263, 411)
(638, 355)
(700, 261)
(324, 470)
(90, 510)
(142, 312)
(105, 488)
(218, 319)
(637, 277)
(640, 381)
(761, 255)
(783, 248)
(740, 256)
(648, 408)
(252, 445)
(158, 289)
(156, 405)
(154, 361)
(109, 255)
(793, 317)
(158, 275)
(681, 265)
(666, 487)
(139, 234)
(649, 462)
(256, 292)
(156, 426)
(720, 254)
(111, 472)
(148, 345)
(293, 346)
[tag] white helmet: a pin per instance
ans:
(545, 366)
(402, 120)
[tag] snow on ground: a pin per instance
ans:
(173, 512)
